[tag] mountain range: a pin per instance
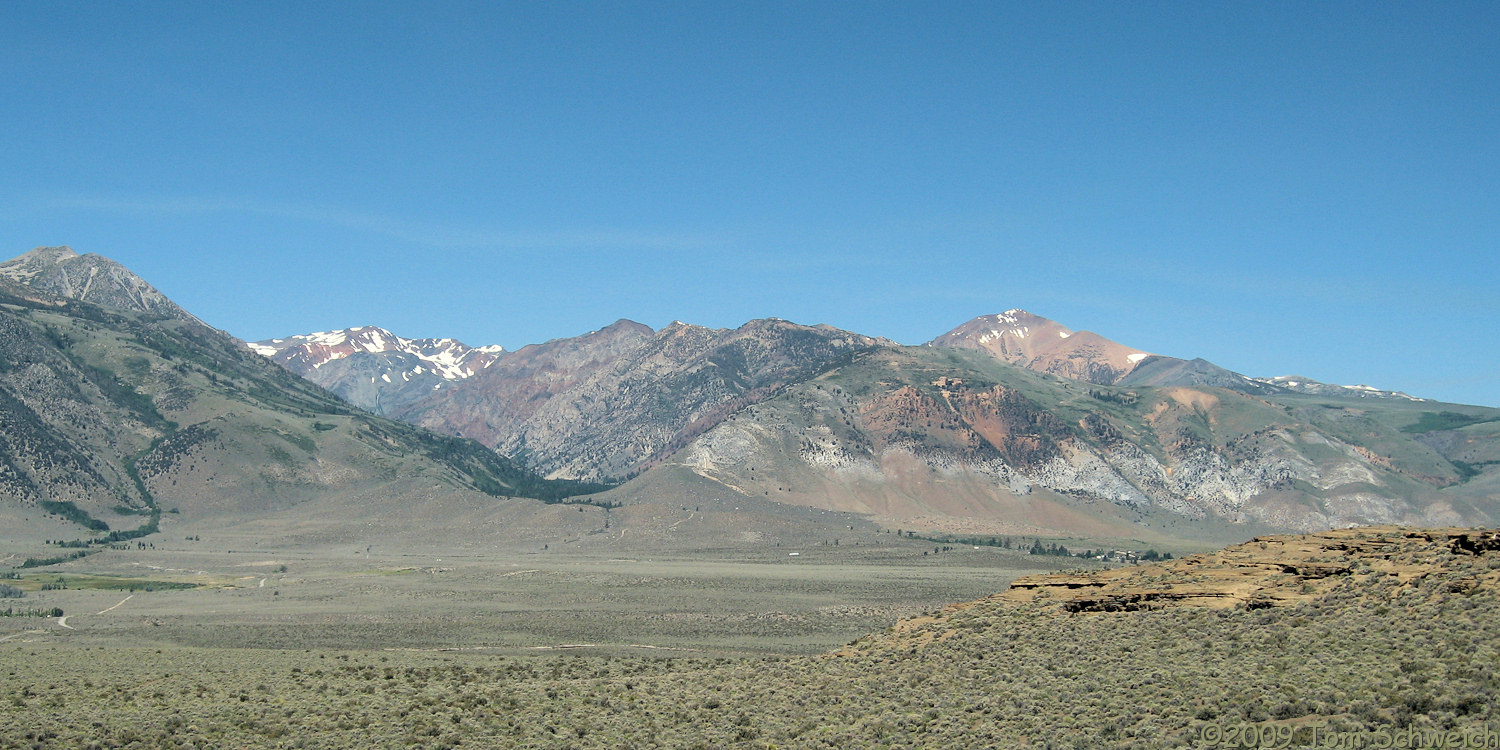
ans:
(1010, 423)
(116, 407)
(375, 369)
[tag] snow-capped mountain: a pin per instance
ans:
(932, 437)
(1036, 343)
(449, 358)
(375, 369)
(1302, 384)
(1043, 345)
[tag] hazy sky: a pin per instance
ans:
(1308, 188)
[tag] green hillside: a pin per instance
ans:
(111, 418)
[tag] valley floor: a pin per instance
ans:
(728, 602)
(1294, 677)
(737, 652)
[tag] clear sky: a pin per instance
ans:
(1309, 188)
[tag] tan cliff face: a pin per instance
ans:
(1275, 571)
(1376, 572)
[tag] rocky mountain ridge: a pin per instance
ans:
(1001, 426)
(89, 278)
(377, 359)
(111, 417)
(374, 369)
(613, 403)
(984, 436)
(961, 443)
(1300, 384)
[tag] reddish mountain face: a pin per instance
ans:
(1011, 423)
(1043, 345)
(112, 402)
(515, 388)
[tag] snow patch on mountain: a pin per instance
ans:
(448, 358)
(1304, 384)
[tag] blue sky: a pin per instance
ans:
(1308, 188)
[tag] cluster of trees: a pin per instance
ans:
(1124, 398)
(1054, 549)
(38, 562)
(1038, 548)
(1059, 550)
(73, 514)
(11, 612)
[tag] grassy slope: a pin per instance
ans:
(172, 414)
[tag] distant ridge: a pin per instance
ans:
(1036, 343)
(1300, 384)
(613, 402)
(375, 369)
(1011, 423)
(450, 359)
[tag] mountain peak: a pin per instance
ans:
(28, 266)
(90, 278)
(626, 327)
(1302, 384)
(51, 254)
(1012, 326)
(1044, 345)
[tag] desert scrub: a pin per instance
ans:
(1368, 653)
(1146, 678)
